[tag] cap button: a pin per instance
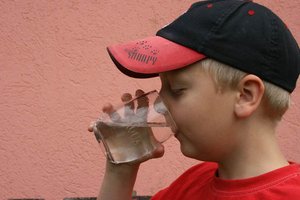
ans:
(210, 5)
(251, 12)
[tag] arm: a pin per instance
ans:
(118, 181)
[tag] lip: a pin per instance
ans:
(176, 133)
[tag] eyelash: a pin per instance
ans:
(177, 92)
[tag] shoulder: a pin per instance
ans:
(196, 176)
(282, 183)
(292, 178)
(205, 170)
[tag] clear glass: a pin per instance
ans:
(135, 128)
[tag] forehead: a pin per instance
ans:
(188, 72)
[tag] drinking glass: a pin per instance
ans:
(135, 128)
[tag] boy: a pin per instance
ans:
(227, 69)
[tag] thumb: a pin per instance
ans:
(159, 151)
(91, 127)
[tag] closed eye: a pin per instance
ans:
(177, 92)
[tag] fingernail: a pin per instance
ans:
(126, 97)
(139, 92)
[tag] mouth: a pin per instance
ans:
(176, 133)
(176, 136)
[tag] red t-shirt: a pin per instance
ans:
(200, 182)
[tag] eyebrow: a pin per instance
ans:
(175, 79)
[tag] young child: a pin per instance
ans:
(227, 69)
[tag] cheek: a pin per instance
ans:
(181, 113)
(188, 119)
(185, 111)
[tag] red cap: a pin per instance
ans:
(152, 55)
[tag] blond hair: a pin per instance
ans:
(276, 100)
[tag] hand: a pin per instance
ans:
(140, 137)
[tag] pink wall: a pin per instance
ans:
(55, 75)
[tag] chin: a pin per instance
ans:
(186, 148)
(191, 152)
(188, 152)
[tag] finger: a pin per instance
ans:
(142, 105)
(112, 113)
(159, 148)
(128, 105)
(126, 97)
(157, 153)
(91, 127)
(97, 134)
(139, 92)
(159, 106)
(142, 100)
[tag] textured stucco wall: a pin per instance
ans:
(55, 75)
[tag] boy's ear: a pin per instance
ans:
(250, 92)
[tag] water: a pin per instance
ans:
(126, 143)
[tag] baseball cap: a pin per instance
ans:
(239, 33)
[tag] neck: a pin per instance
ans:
(257, 153)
